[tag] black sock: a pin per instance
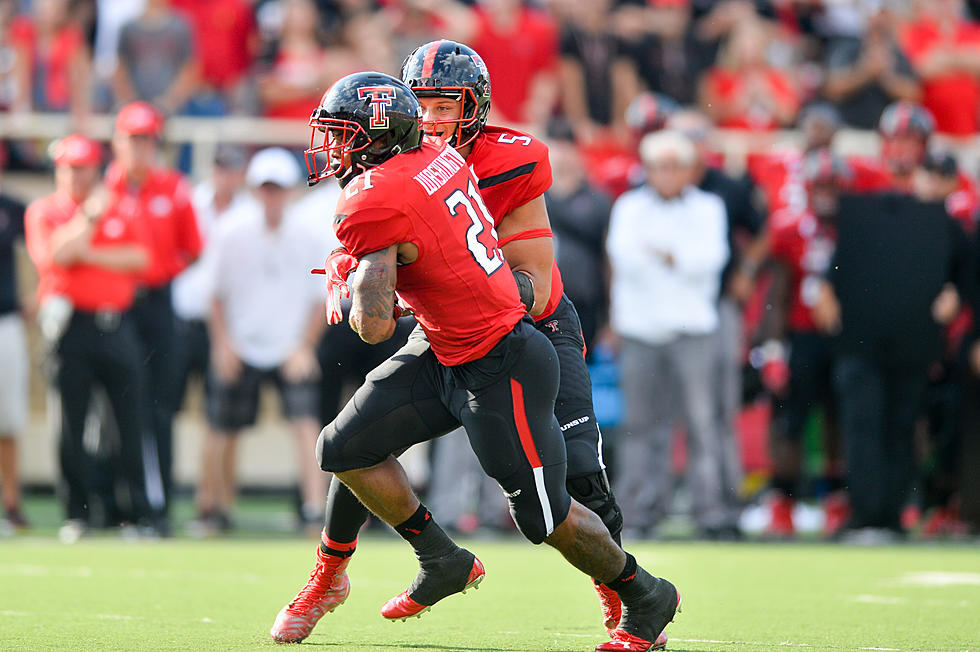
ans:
(626, 576)
(785, 485)
(344, 518)
(415, 524)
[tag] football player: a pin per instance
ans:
(453, 85)
(476, 361)
(802, 244)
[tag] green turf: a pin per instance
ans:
(223, 595)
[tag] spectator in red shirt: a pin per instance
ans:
(301, 68)
(87, 254)
(158, 201)
(743, 91)
(944, 48)
(520, 47)
(227, 43)
(52, 65)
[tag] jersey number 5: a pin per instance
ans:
(489, 259)
(509, 139)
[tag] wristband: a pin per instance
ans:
(525, 287)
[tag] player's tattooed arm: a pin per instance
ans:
(373, 295)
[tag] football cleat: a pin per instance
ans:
(781, 521)
(626, 641)
(326, 590)
(402, 607)
(650, 614)
(837, 512)
(612, 607)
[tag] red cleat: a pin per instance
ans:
(326, 590)
(781, 521)
(837, 511)
(911, 517)
(402, 607)
(612, 607)
(625, 641)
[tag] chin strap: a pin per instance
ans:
(530, 234)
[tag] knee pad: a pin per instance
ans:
(327, 453)
(593, 492)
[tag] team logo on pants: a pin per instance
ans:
(380, 97)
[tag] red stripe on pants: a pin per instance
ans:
(523, 430)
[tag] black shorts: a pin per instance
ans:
(574, 410)
(233, 406)
(504, 400)
(810, 383)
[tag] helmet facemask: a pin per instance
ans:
(337, 139)
(467, 124)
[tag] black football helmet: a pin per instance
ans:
(822, 166)
(450, 69)
(363, 120)
(650, 112)
(901, 118)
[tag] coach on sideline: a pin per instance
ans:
(667, 245)
(158, 201)
(87, 257)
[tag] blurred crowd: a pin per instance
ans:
(748, 64)
(704, 296)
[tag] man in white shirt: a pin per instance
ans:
(667, 244)
(222, 196)
(265, 323)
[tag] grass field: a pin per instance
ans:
(182, 594)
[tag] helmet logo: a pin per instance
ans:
(381, 97)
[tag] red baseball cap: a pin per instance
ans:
(77, 149)
(139, 119)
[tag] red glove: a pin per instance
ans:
(774, 372)
(338, 267)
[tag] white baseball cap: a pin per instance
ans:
(273, 165)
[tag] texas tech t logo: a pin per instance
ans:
(381, 97)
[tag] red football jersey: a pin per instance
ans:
(460, 288)
(89, 287)
(513, 168)
(162, 206)
(964, 202)
(779, 175)
(805, 245)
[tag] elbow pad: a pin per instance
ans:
(525, 287)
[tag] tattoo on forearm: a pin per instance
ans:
(376, 292)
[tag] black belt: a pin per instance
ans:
(105, 320)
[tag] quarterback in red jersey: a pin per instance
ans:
(476, 361)
(513, 171)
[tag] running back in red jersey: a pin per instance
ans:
(460, 288)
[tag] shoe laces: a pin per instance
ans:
(319, 584)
